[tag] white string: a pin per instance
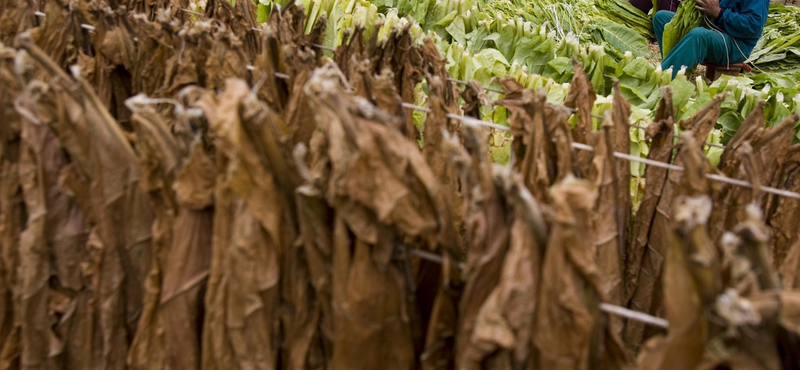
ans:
(192, 12)
(628, 157)
(573, 111)
(718, 30)
(631, 158)
(724, 42)
(634, 315)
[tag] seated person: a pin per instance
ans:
(734, 27)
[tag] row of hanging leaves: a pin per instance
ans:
(163, 206)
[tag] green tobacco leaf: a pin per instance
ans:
(684, 90)
(623, 38)
(637, 68)
(730, 122)
(561, 65)
(456, 31)
(262, 13)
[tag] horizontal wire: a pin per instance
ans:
(710, 176)
(192, 12)
(574, 111)
(631, 158)
(634, 315)
(628, 157)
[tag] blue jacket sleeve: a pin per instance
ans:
(748, 23)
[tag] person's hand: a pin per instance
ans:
(708, 7)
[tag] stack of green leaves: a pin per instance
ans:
(622, 12)
(778, 50)
(685, 19)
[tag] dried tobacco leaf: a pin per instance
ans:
(12, 207)
(375, 172)
(567, 316)
(376, 180)
(648, 296)
(436, 125)
(439, 352)
(785, 244)
(685, 345)
(619, 136)
(310, 347)
(485, 237)
(407, 66)
(721, 217)
(474, 98)
(118, 207)
(747, 315)
(174, 304)
(501, 337)
(39, 157)
(298, 113)
(606, 230)
(581, 97)
(660, 134)
(772, 147)
(754, 236)
(61, 36)
(241, 17)
(533, 150)
(559, 130)
(687, 290)
(253, 227)
(15, 17)
(435, 65)
(485, 259)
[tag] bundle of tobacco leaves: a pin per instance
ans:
(203, 192)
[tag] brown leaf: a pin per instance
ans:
(606, 229)
(502, 331)
(567, 315)
(581, 97)
(648, 297)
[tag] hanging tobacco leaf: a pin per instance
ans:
(660, 134)
(604, 229)
(619, 135)
(12, 208)
(581, 97)
(532, 145)
(647, 296)
(567, 316)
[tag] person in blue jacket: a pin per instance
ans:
(731, 30)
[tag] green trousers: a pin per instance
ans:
(699, 45)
